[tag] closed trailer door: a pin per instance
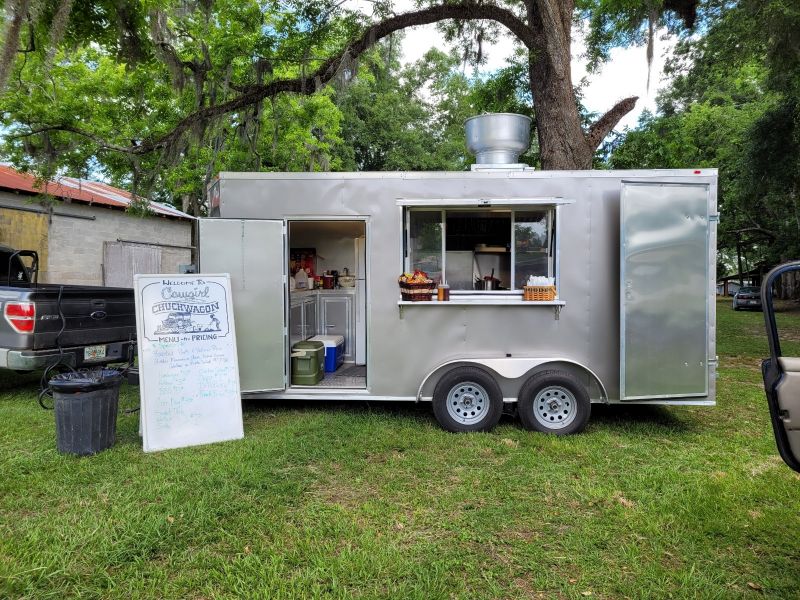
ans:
(664, 295)
(253, 253)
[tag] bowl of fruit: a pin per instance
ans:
(416, 286)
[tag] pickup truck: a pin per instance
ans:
(44, 324)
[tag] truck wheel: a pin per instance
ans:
(467, 399)
(554, 402)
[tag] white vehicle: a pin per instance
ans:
(632, 254)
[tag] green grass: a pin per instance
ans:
(357, 501)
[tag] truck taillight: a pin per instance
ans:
(20, 315)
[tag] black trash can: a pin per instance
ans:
(85, 404)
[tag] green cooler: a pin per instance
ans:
(308, 363)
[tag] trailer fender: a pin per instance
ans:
(515, 368)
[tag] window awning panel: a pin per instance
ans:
(484, 202)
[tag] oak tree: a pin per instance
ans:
(182, 65)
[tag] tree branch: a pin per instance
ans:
(765, 232)
(9, 50)
(603, 126)
(101, 143)
(307, 84)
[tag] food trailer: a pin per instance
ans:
(631, 254)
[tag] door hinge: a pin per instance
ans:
(714, 218)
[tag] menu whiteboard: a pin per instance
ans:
(188, 369)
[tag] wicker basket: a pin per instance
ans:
(539, 293)
(416, 292)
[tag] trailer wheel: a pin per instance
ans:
(467, 399)
(554, 402)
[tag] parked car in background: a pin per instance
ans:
(747, 297)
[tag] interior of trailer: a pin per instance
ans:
(327, 304)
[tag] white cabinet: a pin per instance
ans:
(337, 317)
(325, 313)
(296, 326)
(303, 319)
(310, 316)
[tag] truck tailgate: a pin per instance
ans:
(91, 315)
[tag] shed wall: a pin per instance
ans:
(71, 249)
(24, 230)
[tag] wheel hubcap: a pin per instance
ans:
(467, 402)
(555, 407)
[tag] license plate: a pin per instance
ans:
(94, 353)
(752, 301)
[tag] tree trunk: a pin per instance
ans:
(562, 143)
(561, 140)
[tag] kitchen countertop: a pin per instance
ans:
(299, 293)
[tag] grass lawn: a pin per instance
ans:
(376, 501)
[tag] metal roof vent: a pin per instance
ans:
(497, 140)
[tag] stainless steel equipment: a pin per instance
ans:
(498, 138)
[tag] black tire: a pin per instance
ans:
(480, 402)
(569, 400)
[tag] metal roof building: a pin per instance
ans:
(84, 233)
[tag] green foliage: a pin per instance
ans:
(88, 99)
(412, 118)
(388, 122)
(117, 80)
(613, 23)
(735, 104)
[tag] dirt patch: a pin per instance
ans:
(786, 332)
(345, 492)
(787, 306)
(765, 465)
(530, 592)
(385, 457)
(671, 561)
(623, 500)
(526, 535)
(740, 362)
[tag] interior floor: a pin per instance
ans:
(346, 376)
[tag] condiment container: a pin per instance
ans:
(301, 280)
(443, 292)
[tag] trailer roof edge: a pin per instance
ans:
(500, 174)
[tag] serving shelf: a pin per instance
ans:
(556, 305)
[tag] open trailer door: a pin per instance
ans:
(664, 290)
(253, 253)
(782, 373)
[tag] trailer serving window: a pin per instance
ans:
(483, 247)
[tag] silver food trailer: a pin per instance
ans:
(632, 255)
